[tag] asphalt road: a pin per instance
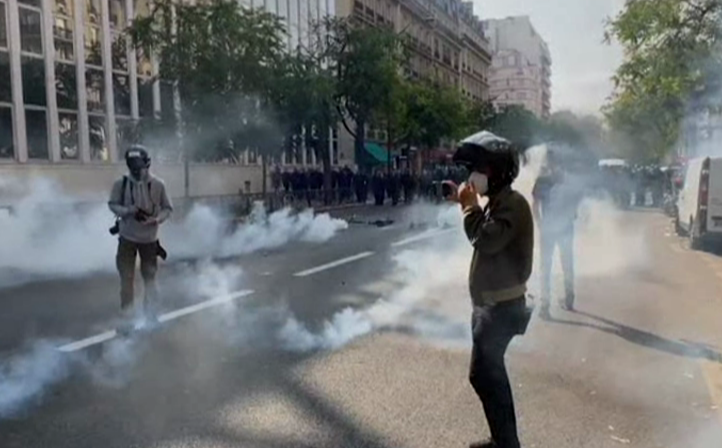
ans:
(637, 366)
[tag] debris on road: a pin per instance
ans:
(621, 440)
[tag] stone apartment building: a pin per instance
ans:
(521, 68)
(448, 45)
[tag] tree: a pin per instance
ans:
(434, 113)
(513, 122)
(671, 67)
(305, 95)
(222, 57)
(367, 65)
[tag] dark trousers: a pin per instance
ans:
(493, 329)
(563, 238)
(125, 262)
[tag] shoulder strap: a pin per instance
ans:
(123, 189)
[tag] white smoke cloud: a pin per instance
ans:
(47, 226)
(433, 301)
(26, 376)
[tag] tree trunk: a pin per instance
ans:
(360, 139)
(324, 154)
(264, 163)
(389, 147)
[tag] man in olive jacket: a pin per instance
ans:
(502, 234)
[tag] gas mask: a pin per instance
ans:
(480, 182)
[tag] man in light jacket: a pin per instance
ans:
(141, 204)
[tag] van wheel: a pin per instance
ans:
(694, 241)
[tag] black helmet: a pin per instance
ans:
(485, 149)
(137, 158)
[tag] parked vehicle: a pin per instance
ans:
(699, 203)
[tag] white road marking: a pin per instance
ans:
(108, 335)
(87, 342)
(422, 236)
(203, 305)
(333, 264)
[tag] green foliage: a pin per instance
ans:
(433, 114)
(223, 58)
(672, 63)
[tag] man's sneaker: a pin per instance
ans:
(150, 321)
(127, 324)
(568, 303)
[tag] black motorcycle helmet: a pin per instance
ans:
(486, 150)
(137, 158)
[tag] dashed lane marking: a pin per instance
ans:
(108, 335)
(422, 236)
(333, 264)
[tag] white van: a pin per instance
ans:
(699, 205)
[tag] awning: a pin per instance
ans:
(378, 153)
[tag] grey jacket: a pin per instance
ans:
(148, 195)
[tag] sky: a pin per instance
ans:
(582, 64)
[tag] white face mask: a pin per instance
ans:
(480, 182)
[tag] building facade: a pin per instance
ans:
(448, 45)
(447, 39)
(72, 88)
(515, 80)
(521, 72)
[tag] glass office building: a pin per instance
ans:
(71, 86)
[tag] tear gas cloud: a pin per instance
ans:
(434, 299)
(27, 375)
(44, 228)
(431, 301)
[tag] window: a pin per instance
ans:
(68, 130)
(92, 12)
(125, 133)
(63, 29)
(96, 131)
(119, 53)
(5, 85)
(66, 86)
(94, 90)
(36, 127)
(7, 150)
(121, 94)
(118, 17)
(145, 97)
(31, 31)
(145, 68)
(141, 8)
(33, 75)
(63, 38)
(3, 27)
(34, 3)
(93, 46)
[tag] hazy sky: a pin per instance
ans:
(574, 29)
